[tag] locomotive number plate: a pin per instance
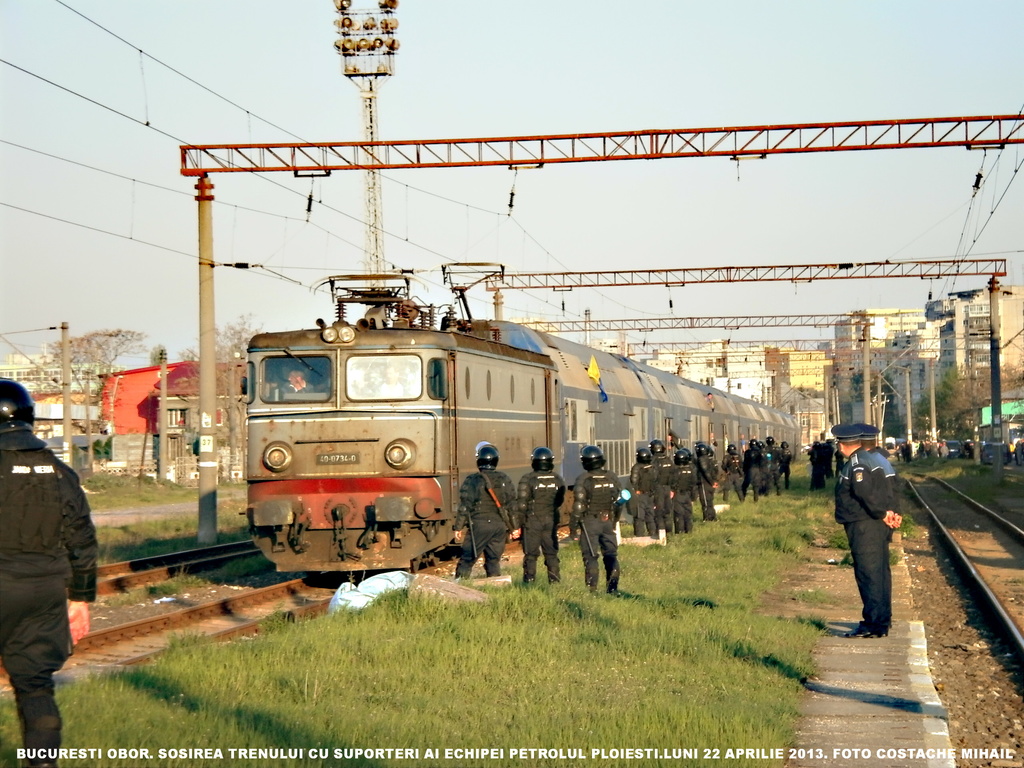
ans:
(337, 458)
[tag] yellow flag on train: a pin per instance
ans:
(595, 375)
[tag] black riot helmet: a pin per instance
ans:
(732, 450)
(543, 460)
(644, 455)
(683, 456)
(487, 457)
(770, 440)
(784, 444)
(17, 408)
(658, 447)
(591, 457)
(702, 449)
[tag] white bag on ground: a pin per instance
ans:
(351, 597)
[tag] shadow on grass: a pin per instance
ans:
(744, 651)
(676, 606)
(268, 730)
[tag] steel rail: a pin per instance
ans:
(1005, 623)
(123, 576)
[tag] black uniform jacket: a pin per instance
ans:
(45, 525)
(862, 491)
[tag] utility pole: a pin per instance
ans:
(997, 388)
(866, 370)
(910, 409)
(65, 386)
(207, 532)
(162, 472)
(89, 451)
(931, 397)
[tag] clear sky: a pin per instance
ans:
(98, 227)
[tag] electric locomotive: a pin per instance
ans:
(361, 433)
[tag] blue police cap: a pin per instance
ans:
(868, 431)
(847, 433)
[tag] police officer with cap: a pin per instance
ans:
(597, 496)
(486, 515)
(47, 570)
(864, 509)
(541, 493)
(869, 442)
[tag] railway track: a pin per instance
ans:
(239, 615)
(129, 574)
(986, 548)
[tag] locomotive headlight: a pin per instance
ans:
(277, 457)
(332, 334)
(400, 454)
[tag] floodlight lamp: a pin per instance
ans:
(377, 44)
(370, 23)
(363, 44)
(342, 5)
(347, 22)
(392, 44)
(388, 5)
(389, 25)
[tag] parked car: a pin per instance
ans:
(956, 449)
(988, 451)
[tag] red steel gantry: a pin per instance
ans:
(735, 142)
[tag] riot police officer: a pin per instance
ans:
(753, 460)
(595, 512)
(684, 491)
(771, 472)
(47, 570)
(732, 473)
(662, 491)
(814, 456)
(643, 477)
(541, 493)
(785, 459)
(707, 480)
(486, 516)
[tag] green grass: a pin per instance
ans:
(681, 659)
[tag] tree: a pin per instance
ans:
(232, 343)
(98, 351)
(95, 354)
(231, 339)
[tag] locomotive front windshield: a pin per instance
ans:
(383, 377)
(297, 379)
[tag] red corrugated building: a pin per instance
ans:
(131, 399)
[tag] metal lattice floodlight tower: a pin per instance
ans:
(367, 46)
